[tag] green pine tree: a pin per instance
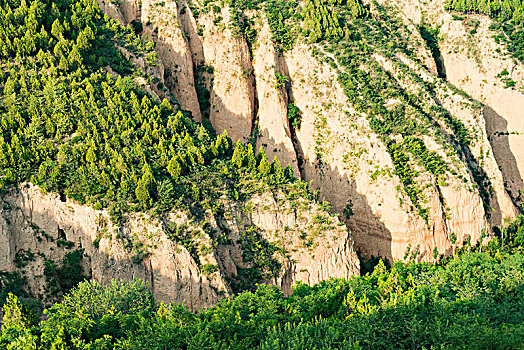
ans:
(143, 195)
(16, 315)
(147, 177)
(288, 172)
(174, 168)
(238, 155)
(278, 171)
(251, 159)
(264, 168)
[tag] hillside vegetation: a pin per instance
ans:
(508, 16)
(80, 117)
(474, 301)
(71, 126)
(344, 35)
(75, 119)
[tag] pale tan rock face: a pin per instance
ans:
(472, 63)
(160, 22)
(175, 31)
(273, 126)
(342, 159)
(33, 221)
(132, 9)
(471, 115)
(168, 268)
(346, 162)
(331, 253)
(341, 156)
(190, 26)
(112, 11)
(173, 49)
(232, 94)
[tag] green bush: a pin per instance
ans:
(474, 300)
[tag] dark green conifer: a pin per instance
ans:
(238, 155)
(174, 168)
(264, 168)
(277, 171)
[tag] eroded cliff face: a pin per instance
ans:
(273, 132)
(40, 223)
(304, 243)
(351, 166)
(335, 149)
(158, 21)
(473, 61)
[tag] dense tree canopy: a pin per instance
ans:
(74, 120)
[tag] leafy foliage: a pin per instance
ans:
(61, 279)
(70, 125)
(294, 115)
(322, 21)
(474, 300)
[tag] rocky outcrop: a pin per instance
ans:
(159, 22)
(335, 149)
(232, 94)
(313, 245)
(473, 62)
(274, 133)
(185, 44)
(351, 166)
(41, 223)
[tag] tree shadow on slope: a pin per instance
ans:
(460, 139)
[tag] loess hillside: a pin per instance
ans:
(361, 101)
(235, 154)
(101, 178)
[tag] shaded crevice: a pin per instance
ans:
(287, 94)
(498, 137)
(256, 104)
(61, 234)
(148, 267)
(298, 151)
(430, 36)
(255, 118)
(443, 208)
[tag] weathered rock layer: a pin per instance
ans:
(335, 149)
(46, 228)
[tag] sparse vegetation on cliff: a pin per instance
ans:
(508, 17)
(75, 119)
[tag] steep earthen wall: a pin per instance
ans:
(31, 221)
